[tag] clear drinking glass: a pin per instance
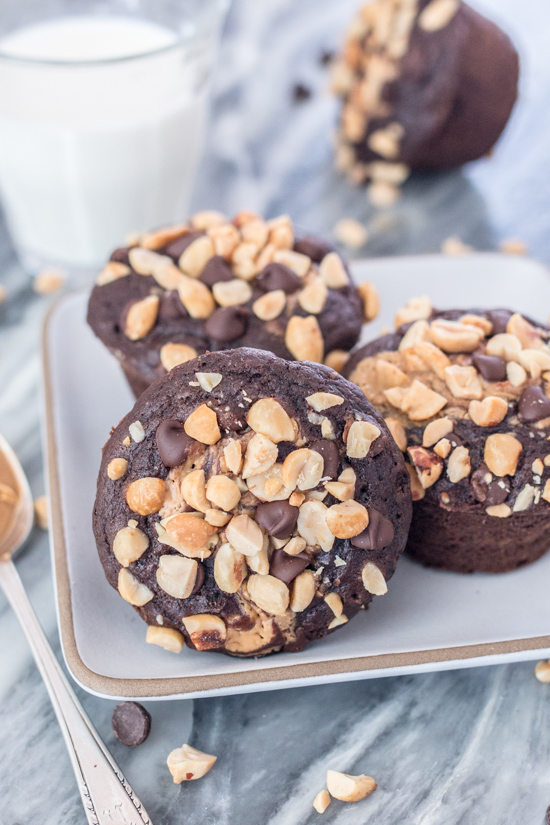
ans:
(102, 115)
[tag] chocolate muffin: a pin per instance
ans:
(425, 84)
(249, 504)
(214, 284)
(466, 396)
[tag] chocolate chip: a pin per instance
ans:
(331, 457)
(278, 276)
(171, 306)
(131, 723)
(533, 404)
(216, 270)
(314, 248)
(479, 483)
(285, 567)
(300, 92)
(499, 319)
(491, 367)
(377, 535)
(177, 247)
(227, 324)
(278, 518)
(497, 492)
(548, 815)
(120, 255)
(453, 437)
(173, 443)
(199, 581)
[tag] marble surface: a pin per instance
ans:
(456, 748)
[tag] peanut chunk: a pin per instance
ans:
(188, 763)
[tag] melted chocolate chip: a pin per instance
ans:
(199, 581)
(285, 567)
(171, 306)
(173, 443)
(479, 482)
(455, 439)
(216, 270)
(177, 247)
(331, 457)
(533, 404)
(491, 367)
(131, 723)
(377, 535)
(278, 518)
(497, 492)
(278, 276)
(314, 248)
(120, 255)
(499, 319)
(227, 324)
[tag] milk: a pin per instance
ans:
(96, 141)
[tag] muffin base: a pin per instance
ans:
(470, 541)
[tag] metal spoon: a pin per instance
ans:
(106, 795)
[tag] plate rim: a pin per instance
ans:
(182, 686)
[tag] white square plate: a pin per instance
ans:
(429, 620)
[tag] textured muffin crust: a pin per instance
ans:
(216, 284)
(466, 394)
(249, 505)
(425, 84)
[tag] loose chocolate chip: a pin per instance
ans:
(285, 567)
(331, 457)
(278, 518)
(178, 246)
(314, 248)
(497, 492)
(499, 319)
(216, 270)
(533, 404)
(377, 535)
(278, 276)
(171, 306)
(120, 255)
(227, 324)
(173, 443)
(326, 57)
(199, 581)
(300, 92)
(491, 367)
(131, 723)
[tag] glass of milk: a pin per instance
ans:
(102, 117)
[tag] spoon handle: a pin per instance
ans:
(106, 795)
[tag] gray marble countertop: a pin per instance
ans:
(456, 748)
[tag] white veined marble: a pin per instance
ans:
(466, 747)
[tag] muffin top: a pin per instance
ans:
(466, 394)
(250, 503)
(215, 284)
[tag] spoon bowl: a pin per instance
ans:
(105, 792)
(23, 516)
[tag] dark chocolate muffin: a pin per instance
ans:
(466, 396)
(425, 84)
(215, 284)
(249, 504)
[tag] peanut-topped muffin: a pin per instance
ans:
(215, 284)
(466, 394)
(425, 84)
(249, 504)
